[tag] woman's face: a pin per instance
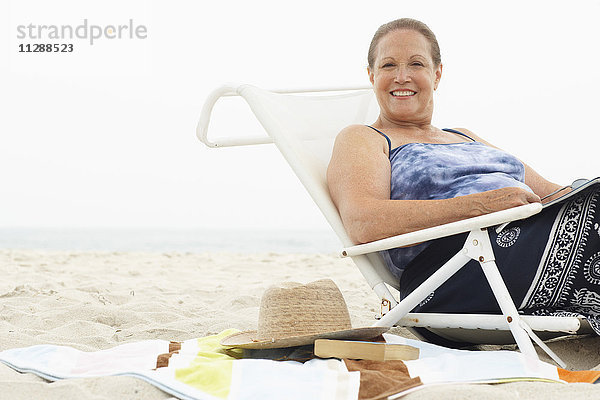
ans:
(404, 78)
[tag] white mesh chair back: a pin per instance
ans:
(304, 127)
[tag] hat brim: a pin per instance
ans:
(247, 340)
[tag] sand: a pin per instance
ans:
(96, 300)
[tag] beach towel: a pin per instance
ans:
(203, 369)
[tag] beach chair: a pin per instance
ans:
(303, 125)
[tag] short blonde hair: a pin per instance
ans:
(410, 24)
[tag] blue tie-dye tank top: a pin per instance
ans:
(432, 171)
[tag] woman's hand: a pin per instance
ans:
(501, 199)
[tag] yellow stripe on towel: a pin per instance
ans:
(210, 370)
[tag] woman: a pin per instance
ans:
(402, 174)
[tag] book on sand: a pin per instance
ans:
(377, 351)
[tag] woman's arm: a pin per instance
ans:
(540, 186)
(359, 183)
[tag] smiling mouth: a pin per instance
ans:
(403, 93)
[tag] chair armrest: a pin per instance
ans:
(205, 114)
(453, 228)
(241, 91)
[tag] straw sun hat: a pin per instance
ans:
(293, 314)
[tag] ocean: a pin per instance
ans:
(170, 240)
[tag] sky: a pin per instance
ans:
(104, 136)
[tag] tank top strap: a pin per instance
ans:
(460, 133)
(385, 136)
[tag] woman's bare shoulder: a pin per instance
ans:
(355, 130)
(360, 135)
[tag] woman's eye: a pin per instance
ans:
(387, 65)
(417, 64)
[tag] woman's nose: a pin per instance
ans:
(402, 74)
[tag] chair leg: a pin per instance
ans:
(543, 346)
(424, 290)
(479, 247)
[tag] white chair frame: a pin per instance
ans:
(365, 256)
